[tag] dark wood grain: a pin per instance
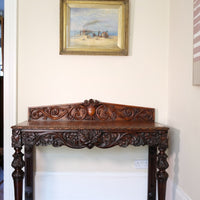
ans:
(152, 173)
(29, 172)
(87, 125)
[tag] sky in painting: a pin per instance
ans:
(94, 19)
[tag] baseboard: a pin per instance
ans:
(90, 186)
(181, 194)
(175, 192)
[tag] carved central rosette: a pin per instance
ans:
(89, 138)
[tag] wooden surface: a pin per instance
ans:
(76, 125)
(87, 125)
(92, 110)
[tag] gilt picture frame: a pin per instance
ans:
(94, 27)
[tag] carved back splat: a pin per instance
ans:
(91, 110)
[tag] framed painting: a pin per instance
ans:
(94, 27)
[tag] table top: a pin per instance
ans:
(88, 124)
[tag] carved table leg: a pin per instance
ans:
(162, 175)
(18, 174)
(152, 173)
(28, 172)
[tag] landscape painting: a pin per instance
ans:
(93, 27)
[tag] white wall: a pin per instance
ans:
(45, 77)
(89, 186)
(184, 101)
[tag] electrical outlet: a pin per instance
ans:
(141, 164)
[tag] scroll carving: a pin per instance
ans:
(90, 138)
(91, 110)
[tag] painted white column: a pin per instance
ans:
(10, 85)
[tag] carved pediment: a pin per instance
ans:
(91, 110)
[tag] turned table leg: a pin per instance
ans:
(18, 173)
(151, 195)
(28, 172)
(162, 175)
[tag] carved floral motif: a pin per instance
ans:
(90, 138)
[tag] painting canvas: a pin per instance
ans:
(94, 27)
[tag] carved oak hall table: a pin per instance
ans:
(90, 124)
